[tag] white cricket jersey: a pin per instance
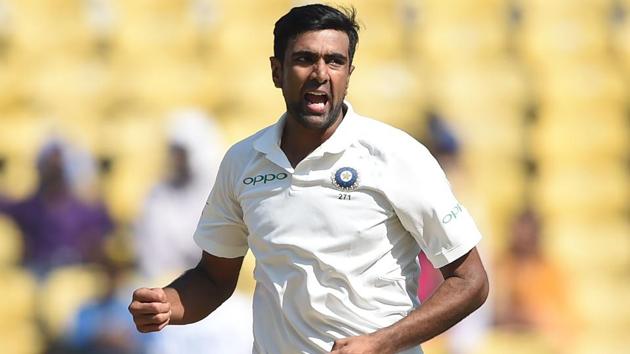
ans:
(336, 238)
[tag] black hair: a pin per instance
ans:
(314, 17)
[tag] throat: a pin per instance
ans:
(297, 142)
(297, 148)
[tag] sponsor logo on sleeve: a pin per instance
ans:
(453, 214)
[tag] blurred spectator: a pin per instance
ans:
(103, 326)
(533, 296)
(58, 227)
(164, 242)
(227, 330)
(164, 230)
(444, 145)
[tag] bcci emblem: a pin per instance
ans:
(346, 179)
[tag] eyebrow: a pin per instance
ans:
(311, 54)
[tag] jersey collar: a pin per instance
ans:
(268, 142)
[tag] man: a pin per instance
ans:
(59, 227)
(335, 207)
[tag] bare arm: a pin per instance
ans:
(190, 298)
(465, 288)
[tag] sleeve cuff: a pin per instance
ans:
(444, 258)
(220, 250)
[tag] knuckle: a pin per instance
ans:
(153, 308)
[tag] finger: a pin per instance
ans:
(339, 343)
(150, 308)
(158, 319)
(151, 328)
(149, 295)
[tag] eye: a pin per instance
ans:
(336, 61)
(303, 59)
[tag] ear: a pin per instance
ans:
(276, 71)
(350, 71)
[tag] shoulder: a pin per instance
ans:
(245, 146)
(383, 139)
(243, 151)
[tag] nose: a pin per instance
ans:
(320, 71)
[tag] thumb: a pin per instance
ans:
(149, 295)
(339, 343)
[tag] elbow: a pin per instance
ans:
(482, 289)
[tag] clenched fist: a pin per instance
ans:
(150, 309)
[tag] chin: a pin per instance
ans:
(318, 122)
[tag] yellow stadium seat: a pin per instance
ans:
(582, 84)
(162, 86)
(606, 339)
(135, 144)
(501, 180)
(36, 32)
(65, 87)
(18, 330)
(621, 43)
(233, 38)
(444, 44)
(19, 289)
(399, 102)
(587, 190)
(496, 86)
(63, 292)
(21, 135)
(602, 301)
(383, 26)
(503, 341)
(562, 40)
(11, 243)
(490, 134)
(142, 42)
(590, 248)
(254, 12)
(457, 10)
(22, 338)
(8, 82)
(585, 136)
(553, 10)
(139, 10)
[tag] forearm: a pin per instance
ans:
(465, 288)
(452, 301)
(194, 295)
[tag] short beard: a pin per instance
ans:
(296, 111)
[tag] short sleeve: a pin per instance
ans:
(425, 204)
(221, 230)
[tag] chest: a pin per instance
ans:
(322, 205)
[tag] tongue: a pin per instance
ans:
(316, 103)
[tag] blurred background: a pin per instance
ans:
(115, 113)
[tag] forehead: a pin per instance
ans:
(323, 41)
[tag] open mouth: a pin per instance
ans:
(316, 102)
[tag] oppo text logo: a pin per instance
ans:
(264, 178)
(452, 215)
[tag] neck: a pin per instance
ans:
(53, 191)
(299, 141)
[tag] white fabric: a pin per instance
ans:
(332, 264)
